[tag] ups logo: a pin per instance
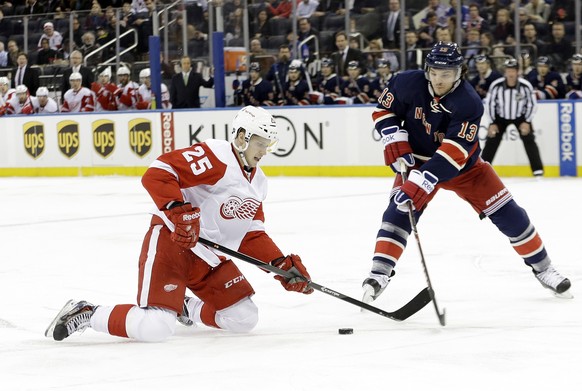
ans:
(104, 137)
(68, 138)
(140, 136)
(34, 138)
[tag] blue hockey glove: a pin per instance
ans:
(396, 148)
(416, 190)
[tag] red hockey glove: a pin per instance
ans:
(292, 263)
(396, 148)
(186, 221)
(416, 189)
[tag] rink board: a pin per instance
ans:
(314, 141)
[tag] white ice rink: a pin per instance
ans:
(64, 238)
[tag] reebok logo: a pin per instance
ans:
(190, 217)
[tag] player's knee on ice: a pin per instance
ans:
(150, 324)
(241, 317)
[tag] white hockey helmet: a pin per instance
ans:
(4, 80)
(255, 121)
(21, 89)
(123, 71)
(42, 91)
(144, 73)
(75, 76)
(106, 72)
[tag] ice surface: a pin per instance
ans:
(79, 238)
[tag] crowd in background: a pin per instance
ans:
(334, 66)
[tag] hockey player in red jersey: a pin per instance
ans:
(126, 94)
(144, 92)
(428, 122)
(105, 92)
(20, 102)
(214, 189)
(78, 99)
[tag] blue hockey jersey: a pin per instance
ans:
(442, 131)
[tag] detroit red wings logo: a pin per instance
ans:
(235, 208)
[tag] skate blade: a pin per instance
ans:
(368, 296)
(564, 295)
(51, 328)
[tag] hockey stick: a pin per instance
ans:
(410, 308)
(441, 315)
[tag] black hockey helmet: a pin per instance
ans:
(255, 66)
(510, 63)
(445, 55)
(327, 62)
(543, 60)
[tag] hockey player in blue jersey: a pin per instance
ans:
(428, 122)
(328, 84)
(548, 84)
(574, 78)
(384, 76)
(296, 88)
(357, 87)
(256, 91)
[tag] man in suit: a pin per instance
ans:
(391, 25)
(24, 74)
(185, 87)
(76, 59)
(345, 55)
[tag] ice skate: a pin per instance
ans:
(184, 318)
(73, 317)
(554, 281)
(374, 285)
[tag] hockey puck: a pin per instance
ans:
(345, 331)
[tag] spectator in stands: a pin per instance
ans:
(307, 51)
(486, 75)
(127, 90)
(487, 42)
(344, 55)
(143, 22)
(489, 11)
(54, 37)
(375, 52)
(574, 78)
(414, 54)
(146, 99)
(77, 99)
(33, 7)
(435, 7)
(452, 11)
(547, 84)
(77, 32)
(504, 27)
(233, 28)
(444, 34)
(559, 48)
(81, 5)
(256, 91)
(127, 15)
(6, 28)
(230, 7)
(13, 52)
(306, 8)
(427, 33)
(296, 88)
(4, 63)
(24, 74)
(563, 11)
(89, 46)
(391, 25)
(42, 103)
(54, 6)
(46, 55)
(531, 42)
(256, 49)
(76, 61)
(475, 20)
(281, 11)
(6, 7)
(538, 11)
(523, 19)
(95, 18)
(139, 6)
(185, 87)
(20, 102)
(472, 48)
(277, 75)
(261, 28)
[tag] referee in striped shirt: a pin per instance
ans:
(511, 100)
